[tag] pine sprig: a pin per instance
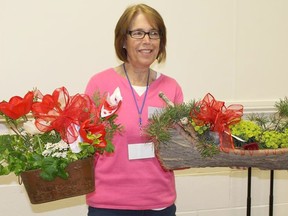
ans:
(277, 121)
(160, 122)
(207, 146)
(282, 107)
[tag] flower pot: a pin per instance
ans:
(80, 182)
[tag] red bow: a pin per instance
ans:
(218, 116)
(62, 113)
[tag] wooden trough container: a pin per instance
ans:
(181, 152)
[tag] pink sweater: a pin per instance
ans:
(132, 184)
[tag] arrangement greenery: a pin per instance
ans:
(268, 131)
(48, 132)
(210, 119)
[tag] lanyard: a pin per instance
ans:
(134, 96)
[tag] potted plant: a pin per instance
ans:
(56, 136)
(207, 133)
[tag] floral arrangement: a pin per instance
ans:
(223, 128)
(256, 131)
(261, 131)
(48, 132)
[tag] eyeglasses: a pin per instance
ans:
(140, 34)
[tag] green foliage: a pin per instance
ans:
(199, 129)
(160, 122)
(282, 107)
(246, 130)
(268, 130)
(23, 153)
(274, 139)
(51, 168)
(111, 129)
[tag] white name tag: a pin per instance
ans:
(141, 151)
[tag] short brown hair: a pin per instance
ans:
(124, 23)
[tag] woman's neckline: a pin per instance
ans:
(154, 75)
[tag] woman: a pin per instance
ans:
(131, 180)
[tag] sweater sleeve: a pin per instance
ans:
(178, 95)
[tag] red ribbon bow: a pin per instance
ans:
(63, 113)
(218, 116)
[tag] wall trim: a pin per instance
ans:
(265, 106)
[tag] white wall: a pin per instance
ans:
(235, 49)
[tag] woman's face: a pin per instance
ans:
(141, 53)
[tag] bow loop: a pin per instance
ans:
(214, 113)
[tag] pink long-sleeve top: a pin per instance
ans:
(122, 183)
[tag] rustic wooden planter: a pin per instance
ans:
(181, 152)
(80, 182)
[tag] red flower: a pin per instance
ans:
(17, 106)
(87, 128)
(251, 146)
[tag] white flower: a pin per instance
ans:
(113, 102)
(56, 149)
(75, 147)
(30, 127)
(48, 145)
(115, 98)
(59, 154)
(46, 152)
(61, 145)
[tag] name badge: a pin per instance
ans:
(141, 151)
